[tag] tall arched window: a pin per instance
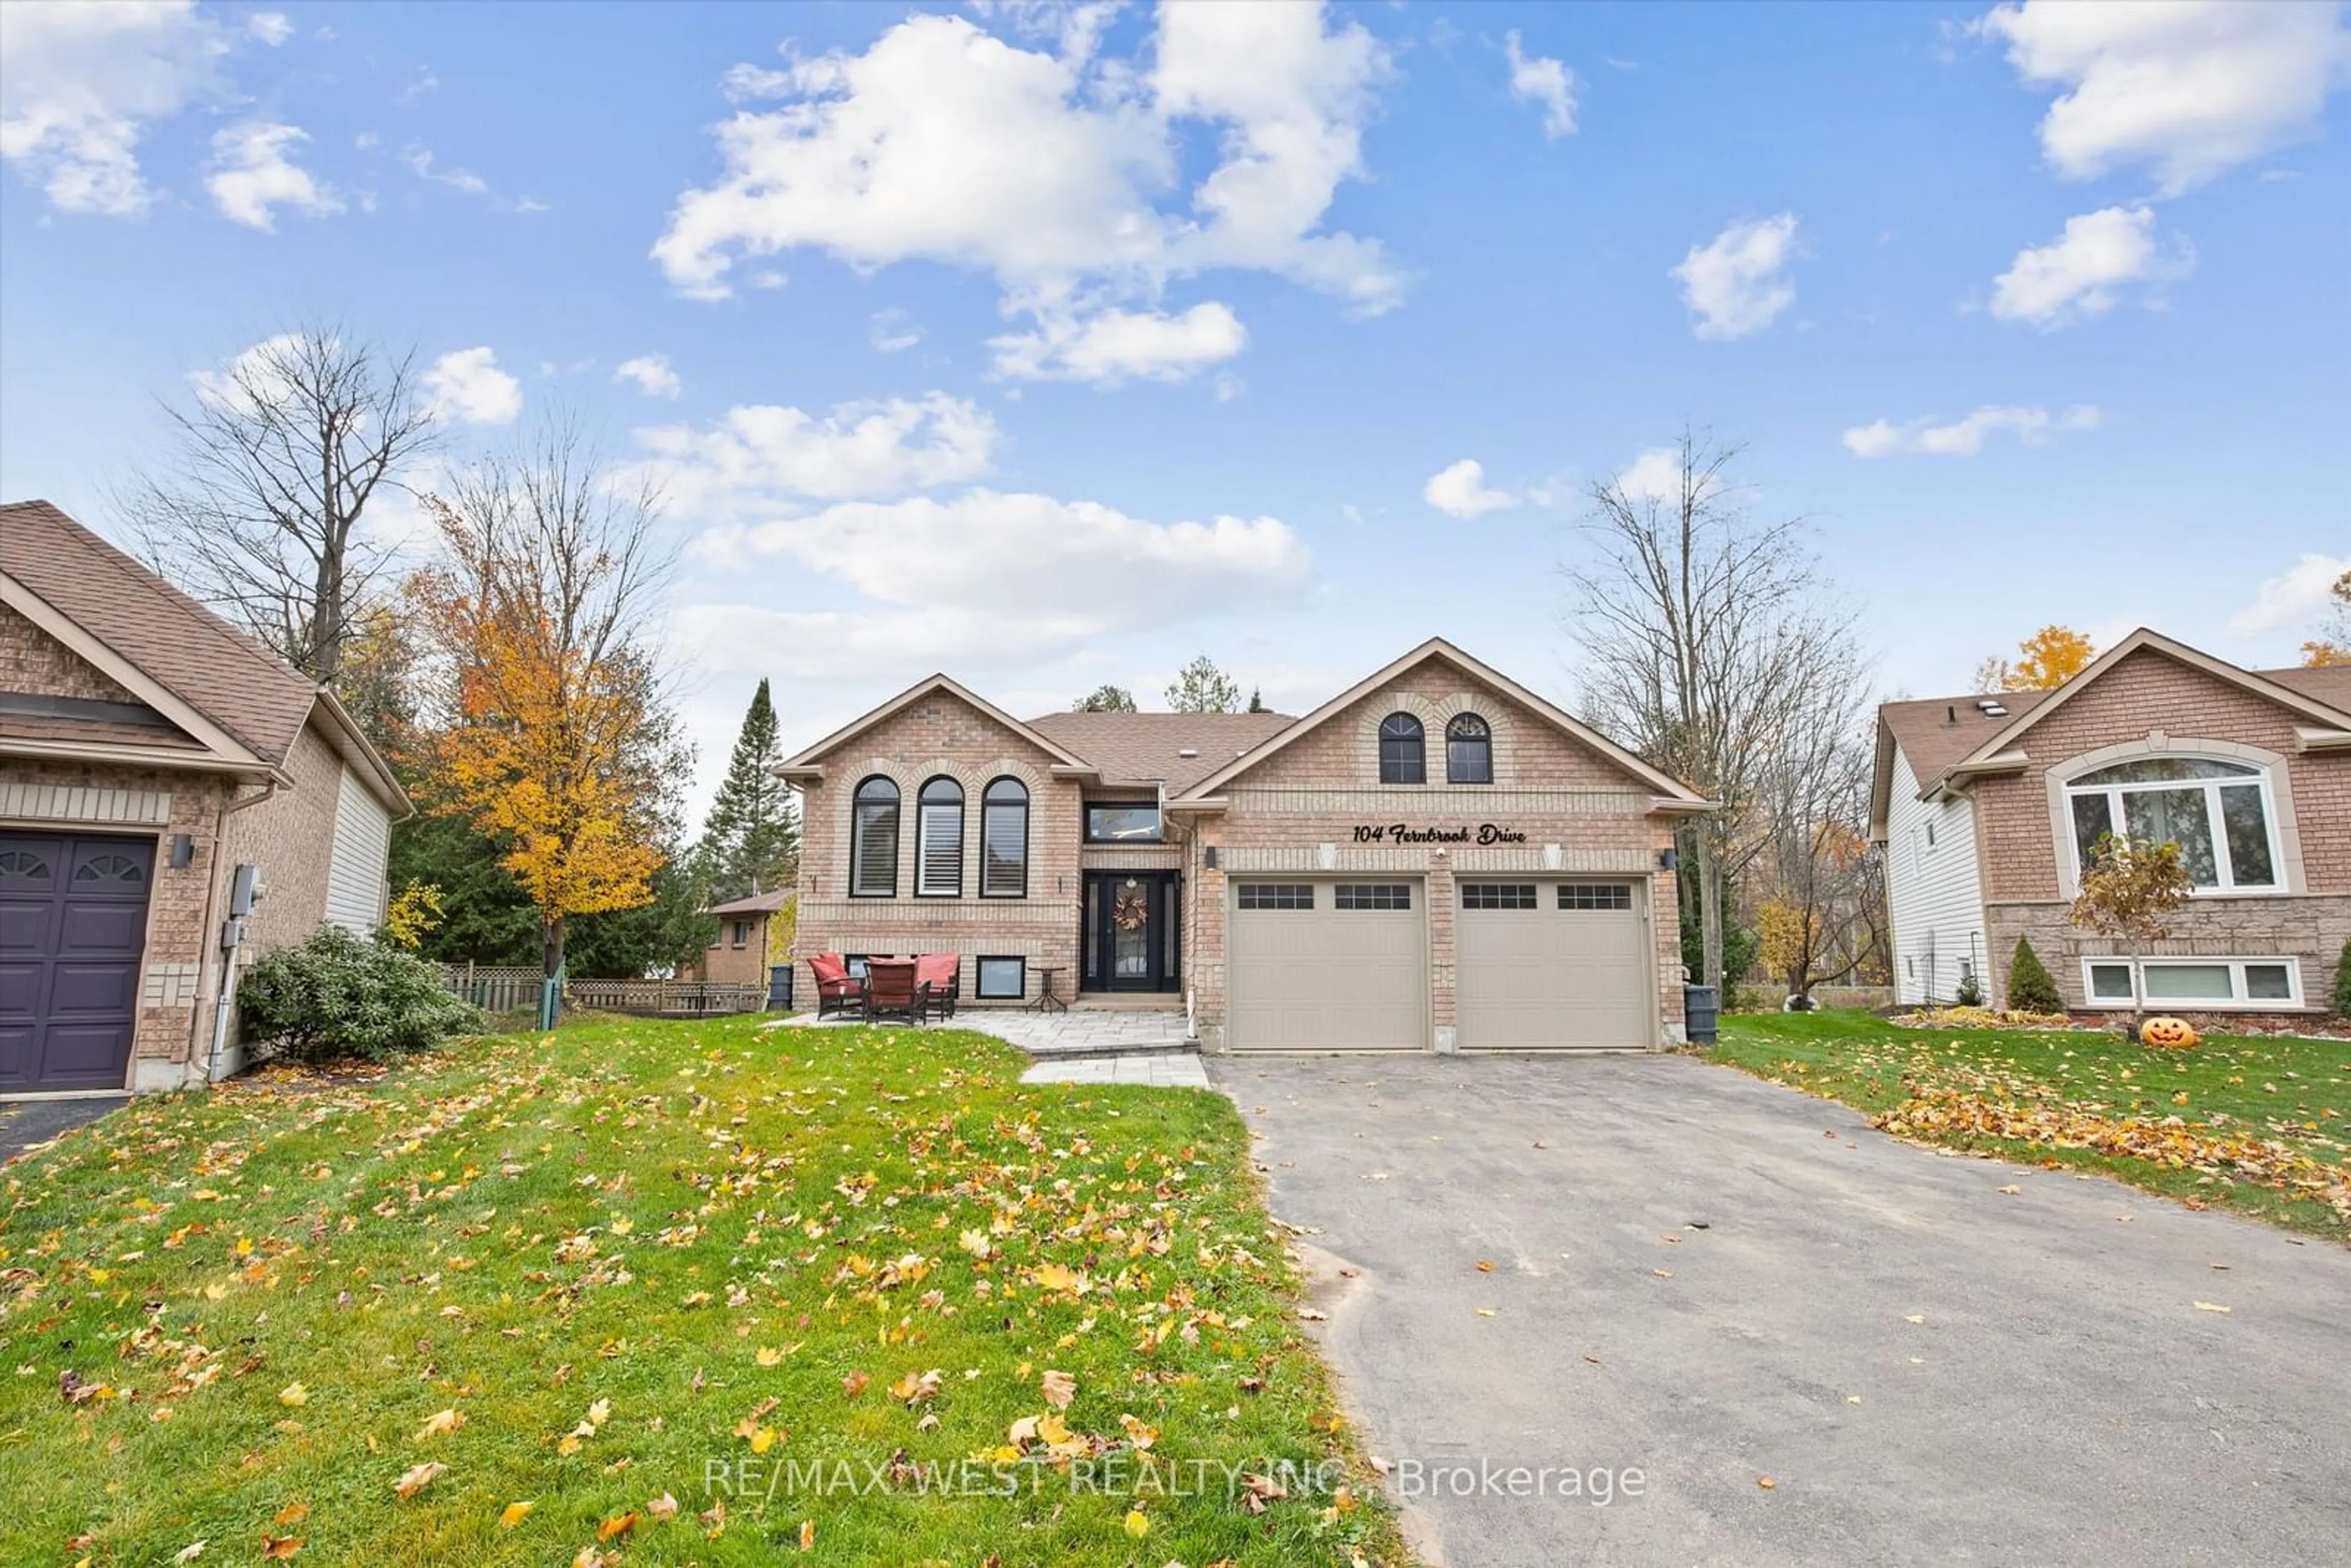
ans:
(1402, 750)
(873, 840)
(2217, 812)
(938, 839)
(1469, 750)
(1004, 840)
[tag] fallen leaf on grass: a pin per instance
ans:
(1137, 1523)
(293, 1513)
(417, 1479)
(189, 1553)
(514, 1513)
(1059, 1388)
(440, 1424)
(662, 1510)
(620, 1524)
(854, 1384)
(279, 1547)
(293, 1394)
(808, 1535)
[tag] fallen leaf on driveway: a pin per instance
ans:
(1312, 1316)
(2209, 1307)
(1484, 1267)
(1916, 1318)
(1485, 1311)
(2012, 1188)
(1663, 1273)
(1766, 1482)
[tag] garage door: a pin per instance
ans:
(73, 919)
(1552, 966)
(1326, 966)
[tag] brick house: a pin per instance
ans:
(1986, 805)
(1436, 859)
(148, 749)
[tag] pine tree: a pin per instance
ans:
(1257, 702)
(1201, 688)
(2030, 989)
(2342, 983)
(752, 841)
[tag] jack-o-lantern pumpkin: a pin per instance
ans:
(2167, 1034)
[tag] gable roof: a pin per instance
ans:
(1151, 747)
(754, 904)
(1947, 738)
(243, 706)
(804, 763)
(1672, 793)
(1987, 753)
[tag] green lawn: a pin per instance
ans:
(2158, 1120)
(638, 1256)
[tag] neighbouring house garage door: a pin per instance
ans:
(73, 920)
(1552, 964)
(1322, 965)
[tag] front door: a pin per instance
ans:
(73, 922)
(1130, 938)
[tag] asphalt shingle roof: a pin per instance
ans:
(1142, 745)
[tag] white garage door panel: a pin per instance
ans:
(1326, 979)
(1551, 977)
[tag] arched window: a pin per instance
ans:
(2219, 814)
(938, 839)
(1403, 758)
(873, 840)
(1004, 840)
(1469, 750)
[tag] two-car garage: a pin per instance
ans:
(1344, 964)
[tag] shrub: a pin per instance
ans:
(340, 994)
(1971, 991)
(2342, 983)
(2030, 989)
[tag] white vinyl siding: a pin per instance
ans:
(1934, 891)
(355, 867)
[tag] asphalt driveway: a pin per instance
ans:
(1924, 1367)
(24, 1122)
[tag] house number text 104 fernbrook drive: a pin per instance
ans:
(1403, 833)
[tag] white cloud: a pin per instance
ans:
(271, 27)
(1655, 476)
(760, 458)
(1056, 173)
(1113, 346)
(254, 173)
(420, 162)
(1737, 282)
(2077, 275)
(467, 385)
(1460, 491)
(653, 375)
(1031, 563)
(2192, 86)
(894, 331)
(2294, 598)
(1965, 437)
(80, 83)
(1535, 78)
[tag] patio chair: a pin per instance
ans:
(943, 972)
(836, 992)
(892, 991)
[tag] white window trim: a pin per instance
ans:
(2259, 777)
(2237, 1003)
(2277, 804)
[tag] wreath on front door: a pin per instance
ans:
(1129, 911)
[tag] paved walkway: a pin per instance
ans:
(1158, 1069)
(1081, 1031)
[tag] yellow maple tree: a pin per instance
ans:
(2335, 648)
(551, 738)
(2050, 657)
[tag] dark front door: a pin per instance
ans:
(1131, 937)
(73, 921)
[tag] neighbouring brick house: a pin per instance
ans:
(1986, 805)
(146, 750)
(1434, 860)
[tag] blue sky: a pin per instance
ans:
(1054, 344)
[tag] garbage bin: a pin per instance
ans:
(780, 987)
(1701, 1009)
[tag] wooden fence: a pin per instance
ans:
(506, 988)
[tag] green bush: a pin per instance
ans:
(1971, 991)
(2342, 983)
(2030, 988)
(339, 995)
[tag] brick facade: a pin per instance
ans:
(2147, 703)
(1581, 812)
(290, 835)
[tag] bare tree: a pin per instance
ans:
(1709, 643)
(277, 460)
(1818, 883)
